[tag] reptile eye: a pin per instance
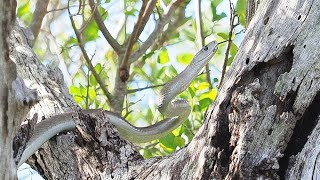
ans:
(205, 48)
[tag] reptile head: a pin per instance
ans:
(206, 53)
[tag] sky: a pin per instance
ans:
(115, 9)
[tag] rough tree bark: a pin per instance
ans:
(263, 124)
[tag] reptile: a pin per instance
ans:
(176, 111)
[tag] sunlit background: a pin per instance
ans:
(56, 45)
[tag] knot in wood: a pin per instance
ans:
(124, 74)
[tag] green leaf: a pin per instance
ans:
(225, 36)
(103, 75)
(233, 49)
(215, 16)
(184, 58)
(230, 60)
(170, 73)
(98, 68)
(70, 42)
(147, 154)
(176, 132)
(74, 90)
(92, 93)
(168, 141)
(91, 31)
(103, 13)
(161, 72)
(83, 91)
(163, 56)
(204, 103)
(78, 99)
(131, 12)
(216, 2)
(189, 34)
(202, 86)
(192, 91)
(212, 94)
(233, 52)
(24, 8)
(148, 55)
(93, 81)
(241, 11)
(179, 141)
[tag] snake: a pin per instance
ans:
(176, 111)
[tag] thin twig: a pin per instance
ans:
(85, 23)
(241, 31)
(158, 30)
(128, 112)
(86, 57)
(144, 88)
(125, 19)
(173, 27)
(233, 15)
(60, 9)
(97, 17)
(130, 91)
(144, 14)
(187, 128)
(149, 145)
(142, 21)
(200, 37)
(88, 86)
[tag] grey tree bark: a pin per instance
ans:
(264, 123)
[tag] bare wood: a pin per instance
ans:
(38, 15)
(120, 85)
(270, 93)
(200, 38)
(144, 14)
(157, 31)
(97, 17)
(251, 8)
(15, 98)
(88, 60)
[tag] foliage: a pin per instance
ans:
(155, 67)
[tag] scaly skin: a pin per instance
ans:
(177, 111)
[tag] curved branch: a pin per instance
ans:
(233, 16)
(173, 27)
(158, 30)
(37, 18)
(97, 17)
(130, 91)
(200, 37)
(145, 12)
(90, 66)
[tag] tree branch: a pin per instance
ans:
(144, 14)
(144, 88)
(86, 57)
(158, 30)
(251, 7)
(37, 18)
(172, 28)
(97, 17)
(226, 56)
(60, 9)
(200, 37)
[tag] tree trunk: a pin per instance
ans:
(263, 124)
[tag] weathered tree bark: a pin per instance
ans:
(263, 124)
